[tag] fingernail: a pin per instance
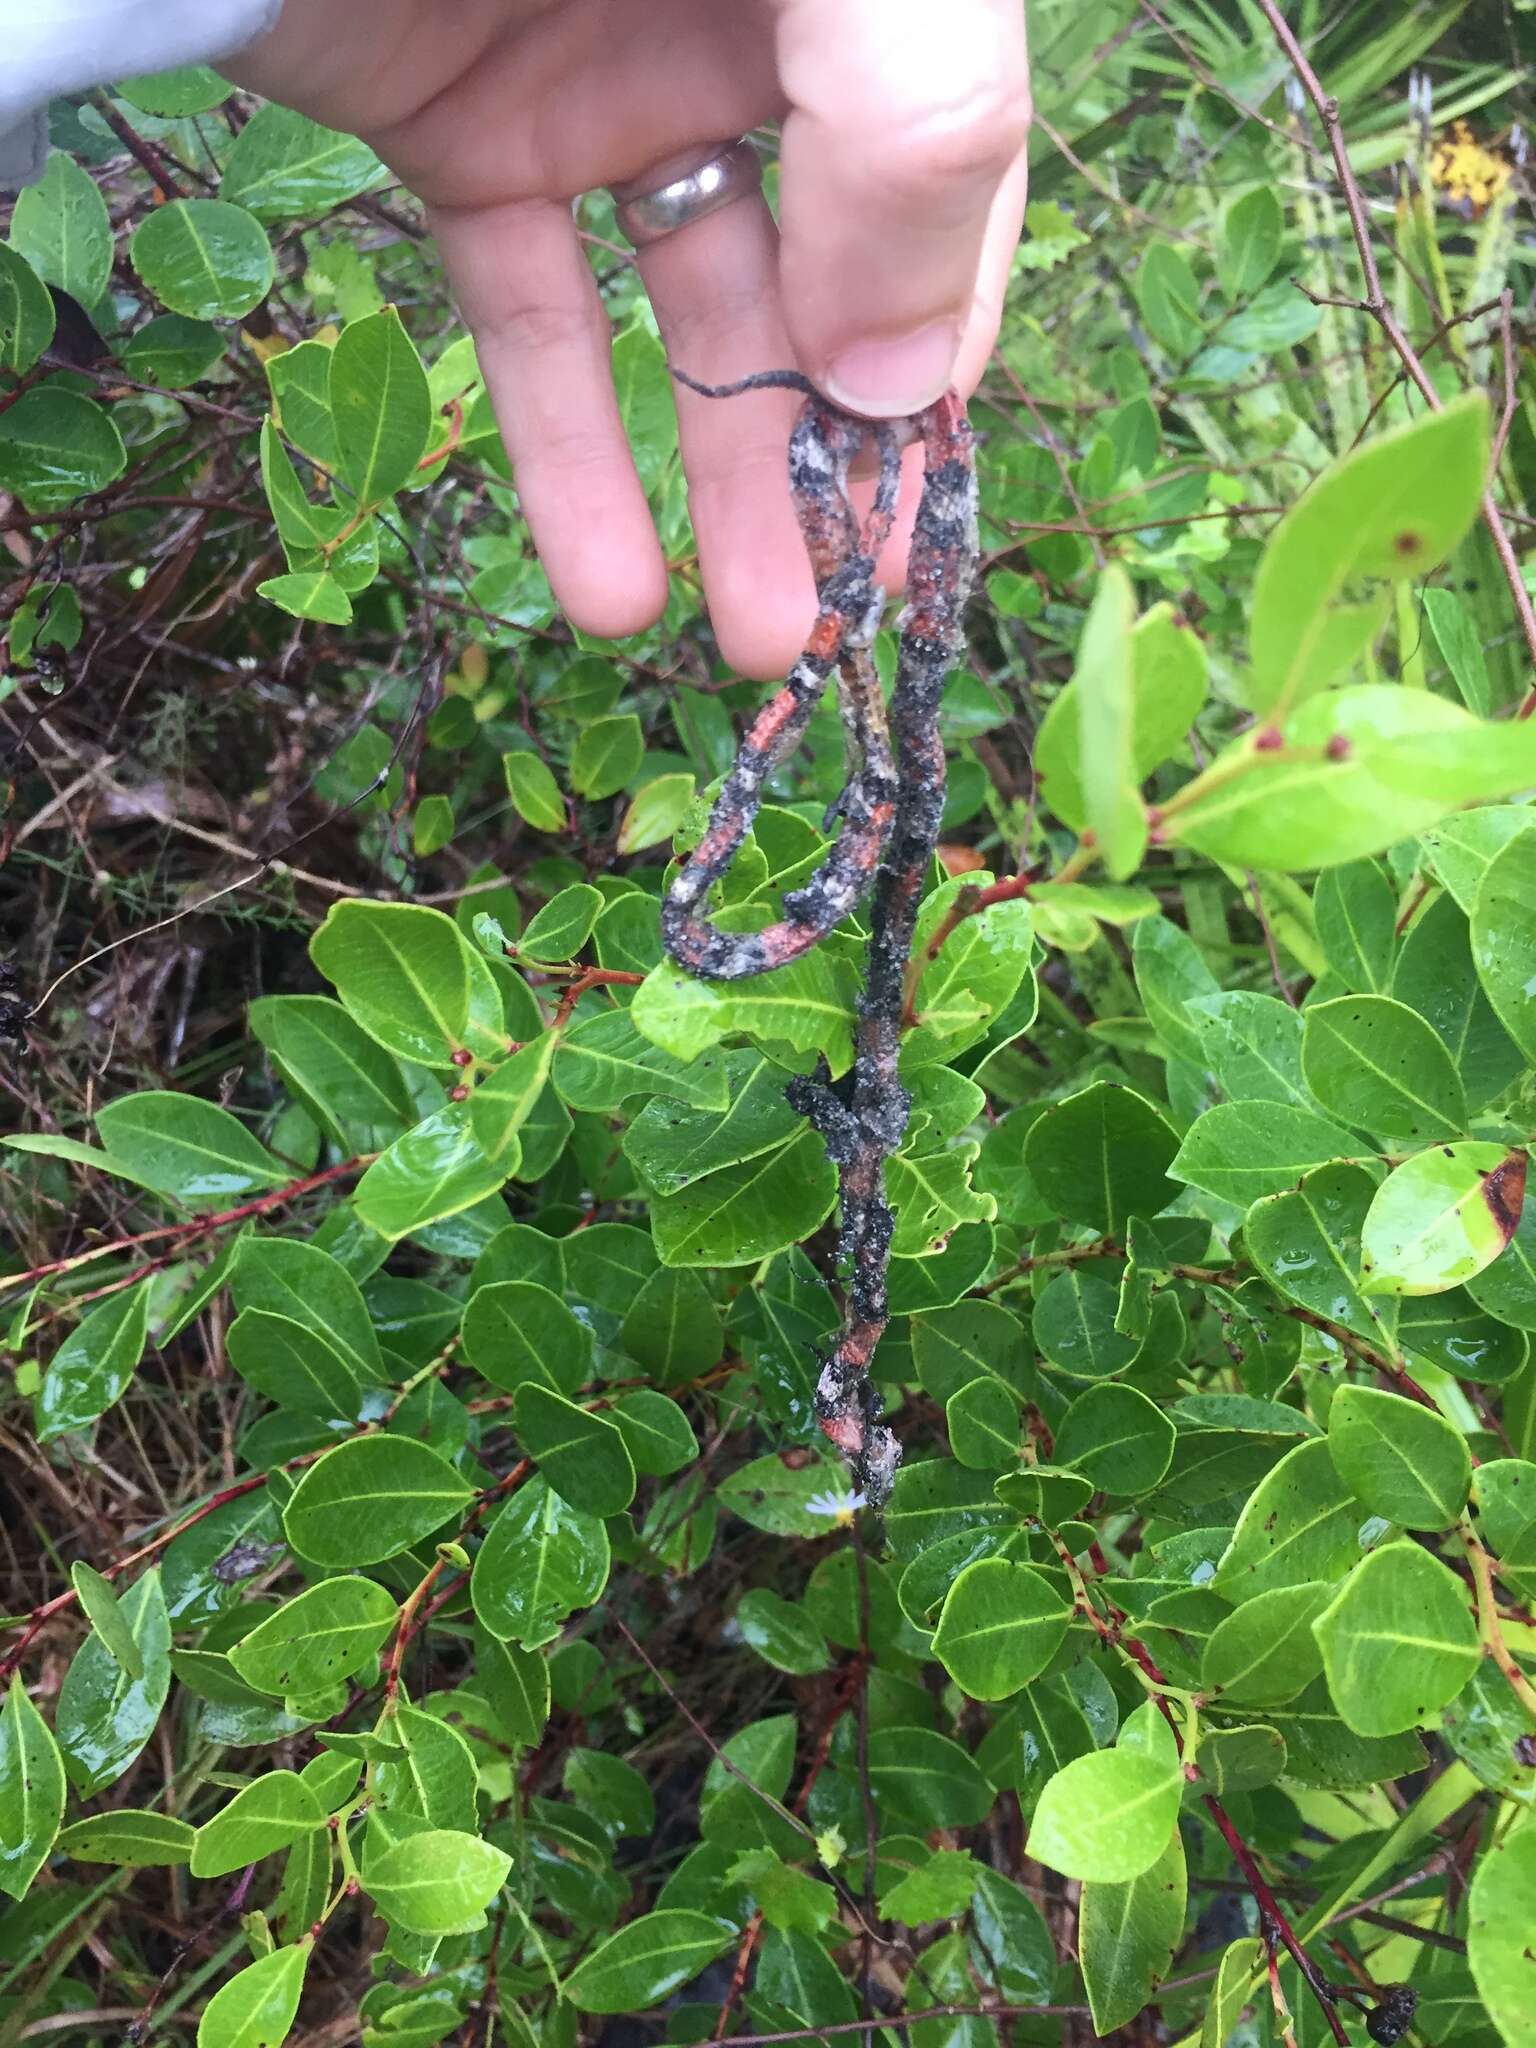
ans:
(896, 374)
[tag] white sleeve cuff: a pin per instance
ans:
(66, 45)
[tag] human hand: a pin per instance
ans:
(901, 198)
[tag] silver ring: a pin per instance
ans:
(648, 212)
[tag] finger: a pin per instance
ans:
(714, 286)
(903, 129)
(999, 245)
(543, 341)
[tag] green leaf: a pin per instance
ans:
(266, 1815)
(748, 1212)
(92, 1367)
(305, 1284)
(1252, 230)
(1300, 1523)
(1128, 1935)
(1264, 1653)
(583, 1456)
(56, 446)
(203, 258)
(412, 981)
(1436, 976)
(1374, 1062)
(1455, 630)
(60, 225)
(1111, 806)
(435, 1169)
(1101, 1157)
(105, 1716)
(635, 1968)
(786, 1499)
(656, 813)
(562, 927)
(186, 89)
(672, 1327)
(1502, 943)
(1171, 974)
(1501, 1909)
(781, 1633)
(940, 1886)
(129, 1837)
(1391, 510)
(516, 1333)
(608, 754)
(293, 1366)
(26, 312)
(503, 1103)
(437, 1883)
(101, 1608)
(329, 1631)
(981, 1420)
(381, 405)
(1398, 1641)
(369, 1499)
(343, 1076)
(32, 1791)
(1306, 1242)
(516, 1683)
(541, 1560)
(807, 1005)
(979, 970)
(1074, 1325)
(1405, 1462)
(1242, 1151)
(1116, 1438)
(1169, 299)
(172, 351)
(924, 1780)
(311, 594)
(190, 1149)
(601, 1062)
(659, 1435)
(1356, 912)
(282, 164)
(1441, 1217)
(1107, 1816)
(534, 792)
(256, 2007)
(1360, 770)
(1001, 1624)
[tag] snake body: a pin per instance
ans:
(889, 814)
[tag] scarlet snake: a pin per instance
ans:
(890, 808)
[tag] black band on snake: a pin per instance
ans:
(890, 809)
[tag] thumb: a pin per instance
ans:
(904, 141)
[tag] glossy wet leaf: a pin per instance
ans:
(381, 406)
(92, 1367)
(32, 1791)
(325, 1634)
(256, 2007)
(26, 312)
(1398, 1640)
(781, 1633)
(105, 1717)
(61, 227)
(747, 1212)
(1401, 1459)
(369, 1499)
(923, 1779)
(1375, 1063)
(283, 164)
(517, 1333)
(583, 1456)
(286, 1277)
(203, 258)
(440, 1882)
(1441, 1217)
(1300, 1523)
(129, 1837)
(292, 1365)
(602, 1062)
(1128, 1935)
(1242, 1151)
(434, 1170)
(412, 981)
(1107, 1816)
(1436, 976)
(1251, 1044)
(1264, 1652)
(541, 1560)
(264, 1816)
(56, 446)
(1501, 1909)
(1000, 1626)
(1356, 912)
(1074, 1325)
(324, 1055)
(1306, 1244)
(635, 1968)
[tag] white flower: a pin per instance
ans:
(838, 1507)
